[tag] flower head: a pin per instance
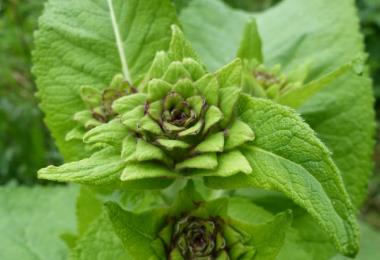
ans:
(179, 121)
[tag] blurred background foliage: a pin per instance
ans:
(25, 143)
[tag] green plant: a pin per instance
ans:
(232, 156)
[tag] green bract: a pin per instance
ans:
(180, 121)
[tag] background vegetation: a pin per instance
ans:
(26, 145)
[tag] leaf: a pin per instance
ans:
(32, 219)
(129, 102)
(250, 46)
(202, 161)
(228, 99)
(104, 167)
(143, 170)
(238, 134)
(214, 35)
(297, 97)
(212, 116)
(326, 39)
(287, 157)
(229, 164)
(213, 143)
(313, 32)
(110, 133)
(180, 48)
(64, 62)
(137, 231)
(100, 242)
(230, 74)
(148, 152)
(208, 86)
(343, 117)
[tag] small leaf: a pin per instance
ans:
(110, 133)
(172, 144)
(192, 130)
(160, 64)
(149, 125)
(91, 96)
(228, 99)
(129, 102)
(212, 117)
(250, 46)
(208, 86)
(155, 110)
(229, 164)
(238, 134)
(185, 88)
(83, 117)
(213, 143)
(132, 118)
(180, 48)
(148, 152)
(197, 104)
(204, 161)
(128, 146)
(230, 75)
(75, 134)
(195, 69)
(175, 72)
(232, 163)
(172, 128)
(158, 89)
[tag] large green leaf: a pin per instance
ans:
(215, 35)
(343, 117)
(32, 219)
(286, 156)
(76, 46)
(321, 31)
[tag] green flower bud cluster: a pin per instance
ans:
(182, 116)
(198, 238)
(193, 228)
(179, 121)
(98, 106)
(272, 83)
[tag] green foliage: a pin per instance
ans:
(32, 219)
(22, 152)
(221, 114)
(369, 11)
